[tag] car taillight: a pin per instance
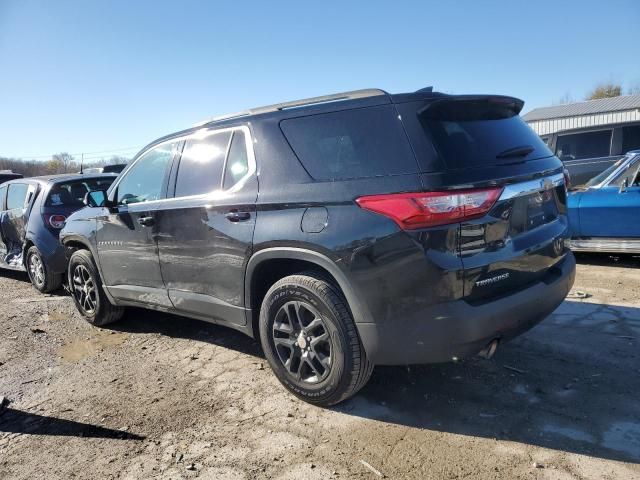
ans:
(55, 221)
(420, 210)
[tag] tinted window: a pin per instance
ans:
(630, 138)
(583, 145)
(201, 164)
(237, 162)
(113, 168)
(359, 143)
(17, 195)
(3, 194)
(145, 180)
(479, 133)
(71, 194)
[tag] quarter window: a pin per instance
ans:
(237, 164)
(358, 143)
(145, 180)
(17, 195)
(202, 164)
(583, 145)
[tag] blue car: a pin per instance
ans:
(604, 215)
(32, 213)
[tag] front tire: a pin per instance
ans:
(310, 340)
(87, 291)
(39, 273)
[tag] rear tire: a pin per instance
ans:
(310, 340)
(39, 273)
(87, 292)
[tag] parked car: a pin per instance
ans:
(116, 168)
(587, 152)
(604, 215)
(32, 213)
(344, 231)
(6, 175)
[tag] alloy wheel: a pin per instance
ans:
(36, 270)
(84, 289)
(302, 342)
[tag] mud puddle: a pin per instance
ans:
(82, 348)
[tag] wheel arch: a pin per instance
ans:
(28, 243)
(287, 261)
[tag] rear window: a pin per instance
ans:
(583, 145)
(71, 194)
(359, 143)
(478, 133)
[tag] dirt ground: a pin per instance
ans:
(159, 396)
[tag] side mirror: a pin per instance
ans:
(625, 185)
(96, 198)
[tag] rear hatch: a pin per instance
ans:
(483, 145)
(64, 198)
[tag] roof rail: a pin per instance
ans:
(336, 97)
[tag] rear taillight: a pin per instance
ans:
(55, 221)
(420, 210)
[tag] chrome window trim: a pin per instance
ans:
(199, 134)
(521, 189)
(625, 159)
(205, 132)
(626, 164)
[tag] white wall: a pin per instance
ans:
(545, 127)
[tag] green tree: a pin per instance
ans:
(605, 90)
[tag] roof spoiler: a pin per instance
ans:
(515, 104)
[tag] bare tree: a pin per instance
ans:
(605, 90)
(61, 162)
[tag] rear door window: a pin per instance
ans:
(479, 133)
(17, 195)
(71, 194)
(576, 146)
(3, 195)
(366, 142)
(202, 164)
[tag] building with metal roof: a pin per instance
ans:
(592, 113)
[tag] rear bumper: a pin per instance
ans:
(459, 329)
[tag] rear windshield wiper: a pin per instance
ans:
(521, 151)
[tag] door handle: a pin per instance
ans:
(235, 216)
(146, 221)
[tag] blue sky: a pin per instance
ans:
(89, 76)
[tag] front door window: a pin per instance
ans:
(146, 179)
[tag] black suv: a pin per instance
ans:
(344, 231)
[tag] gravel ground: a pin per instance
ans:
(159, 396)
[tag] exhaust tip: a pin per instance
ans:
(490, 350)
